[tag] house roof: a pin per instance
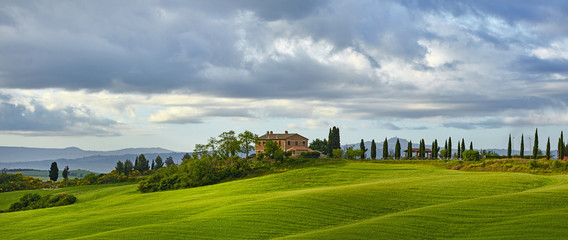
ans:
(300, 148)
(278, 136)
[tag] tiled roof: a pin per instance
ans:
(301, 148)
(278, 136)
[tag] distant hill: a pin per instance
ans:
(23, 154)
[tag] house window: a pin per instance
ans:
(303, 143)
(296, 143)
(289, 143)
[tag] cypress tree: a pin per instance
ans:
(422, 149)
(560, 147)
(548, 149)
(435, 149)
(471, 146)
(459, 150)
(450, 148)
(446, 150)
(53, 172)
(385, 149)
(509, 147)
(522, 153)
(409, 150)
(535, 147)
(373, 149)
(397, 149)
(330, 143)
(463, 147)
(363, 149)
(337, 139)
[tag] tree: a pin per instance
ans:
(471, 155)
(397, 149)
(320, 145)
(561, 146)
(119, 168)
(386, 149)
(459, 150)
(373, 149)
(509, 147)
(128, 166)
(229, 145)
(337, 153)
(462, 148)
(446, 150)
(435, 149)
(65, 174)
(548, 149)
(153, 164)
(334, 139)
(330, 143)
(159, 163)
(270, 148)
(522, 153)
(247, 138)
(53, 172)
(535, 147)
(353, 153)
(471, 146)
(422, 149)
(409, 150)
(169, 161)
(363, 149)
(142, 165)
(450, 148)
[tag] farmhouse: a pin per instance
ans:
(288, 142)
(415, 151)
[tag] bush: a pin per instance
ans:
(310, 154)
(471, 155)
(14, 182)
(35, 201)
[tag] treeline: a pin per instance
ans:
(17, 181)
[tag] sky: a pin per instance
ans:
(105, 75)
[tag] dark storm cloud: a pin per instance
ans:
(40, 121)
(226, 48)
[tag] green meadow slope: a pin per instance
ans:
(341, 201)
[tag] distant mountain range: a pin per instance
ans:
(76, 158)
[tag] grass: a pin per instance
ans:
(349, 200)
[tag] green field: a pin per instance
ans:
(340, 201)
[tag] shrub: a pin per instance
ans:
(35, 201)
(471, 155)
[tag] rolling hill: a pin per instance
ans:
(349, 200)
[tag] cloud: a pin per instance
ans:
(37, 120)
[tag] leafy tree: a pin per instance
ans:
(159, 163)
(128, 167)
(354, 153)
(397, 149)
(270, 148)
(363, 149)
(320, 145)
(65, 172)
(373, 149)
(119, 167)
(522, 153)
(229, 145)
(247, 139)
(337, 153)
(409, 150)
(535, 147)
(509, 147)
(548, 149)
(169, 161)
(471, 155)
(53, 172)
(143, 164)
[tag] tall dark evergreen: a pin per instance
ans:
(65, 173)
(561, 146)
(509, 147)
(450, 148)
(422, 149)
(471, 146)
(53, 172)
(522, 151)
(535, 147)
(397, 149)
(159, 163)
(128, 167)
(462, 148)
(548, 149)
(385, 149)
(459, 150)
(409, 150)
(373, 149)
(435, 149)
(363, 149)
(119, 167)
(334, 140)
(330, 143)
(446, 150)
(153, 164)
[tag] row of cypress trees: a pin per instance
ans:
(535, 151)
